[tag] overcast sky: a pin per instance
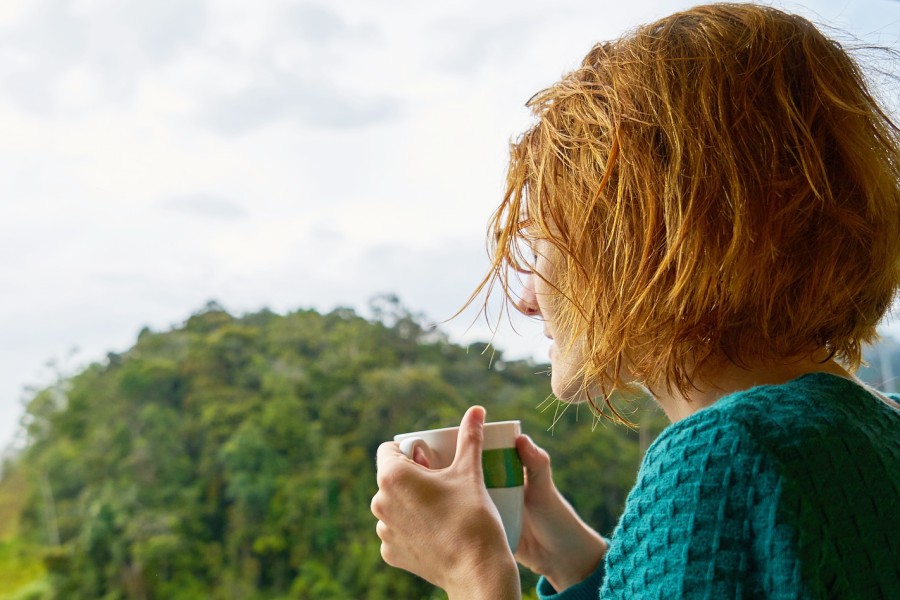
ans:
(157, 154)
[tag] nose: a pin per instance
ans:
(527, 303)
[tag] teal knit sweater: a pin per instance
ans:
(783, 491)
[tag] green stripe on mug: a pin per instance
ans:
(502, 468)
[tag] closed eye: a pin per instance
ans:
(524, 257)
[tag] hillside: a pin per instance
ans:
(233, 457)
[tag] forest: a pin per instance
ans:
(232, 457)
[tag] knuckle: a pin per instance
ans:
(545, 457)
(376, 507)
(382, 453)
(387, 555)
(381, 530)
(475, 434)
(387, 477)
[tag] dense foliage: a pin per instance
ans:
(233, 458)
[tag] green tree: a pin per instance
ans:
(233, 457)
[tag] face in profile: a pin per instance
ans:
(538, 299)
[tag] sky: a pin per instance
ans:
(285, 155)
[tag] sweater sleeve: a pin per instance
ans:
(584, 590)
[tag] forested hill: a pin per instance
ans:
(233, 458)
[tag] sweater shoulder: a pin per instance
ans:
(792, 422)
(686, 528)
(774, 476)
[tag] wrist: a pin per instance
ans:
(496, 578)
(567, 573)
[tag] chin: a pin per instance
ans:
(568, 391)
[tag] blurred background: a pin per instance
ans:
(281, 154)
(245, 173)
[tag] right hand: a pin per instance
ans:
(441, 524)
(555, 542)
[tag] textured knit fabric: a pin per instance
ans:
(784, 491)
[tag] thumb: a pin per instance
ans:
(470, 440)
(536, 461)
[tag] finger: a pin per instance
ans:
(381, 530)
(418, 451)
(420, 456)
(470, 439)
(389, 464)
(536, 462)
(377, 506)
(389, 548)
(386, 452)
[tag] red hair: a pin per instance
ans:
(718, 184)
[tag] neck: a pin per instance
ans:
(728, 378)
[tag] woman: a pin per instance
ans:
(713, 207)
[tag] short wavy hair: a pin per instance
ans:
(719, 183)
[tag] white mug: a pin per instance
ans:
(504, 476)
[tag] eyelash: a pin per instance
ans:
(533, 262)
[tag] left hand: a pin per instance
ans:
(441, 524)
(555, 542)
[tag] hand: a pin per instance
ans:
(441, 524)
(555, 542)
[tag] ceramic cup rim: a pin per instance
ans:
(420, 433)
